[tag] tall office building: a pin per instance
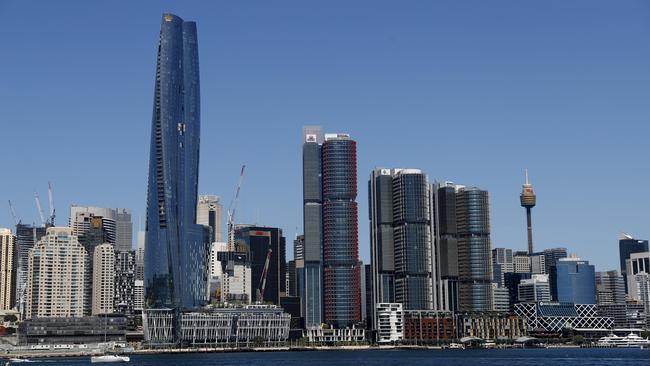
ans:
(445, 253)
(552, 256)
(628, 245)
(462, 251)
(537, 263)
(208, 213)
(176, 247)
(341, 272)
(7, 269)
(511, 281)
(299, 274)
(265, 248)
(116, 223)
(124, 301)
(103, 279)
(502, 262)
(535, 289)
(312, 190)
(528, 200)
(575, 281)
(401, 238)
(139, 258)
(610, 289)
(26, 237)
(367, 288)
(500, 299)
(521, 262)
(474, 250)
(56, 276)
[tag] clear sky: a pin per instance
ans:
(469, 91)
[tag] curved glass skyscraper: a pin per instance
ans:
(341, 272)
(176, 247)
(474, 249)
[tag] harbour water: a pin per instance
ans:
(500, 357)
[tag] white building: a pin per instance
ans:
(332, 336)
(103, 279)
(215, 264)
(208, 213)
(390, 322)
(235, 278)
(535, 289)
(138, 295)
(56, 275)
(500, 299)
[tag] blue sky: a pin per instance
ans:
(469, 91)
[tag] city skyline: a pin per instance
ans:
(567, 216)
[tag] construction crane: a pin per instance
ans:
(37, 199)
(13, 214)
(265, 271)
(51, 201)
(231, 211)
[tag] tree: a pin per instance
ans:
(578, 339)
(258, 341)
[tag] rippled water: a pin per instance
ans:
(511, 357)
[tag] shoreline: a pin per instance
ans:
(64, 354)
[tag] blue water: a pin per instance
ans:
(510, 357)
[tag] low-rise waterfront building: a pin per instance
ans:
(554, 317)
(491, 325)
(390, 323)
(331, 336)
(428, 326)
(81, 330)
(252, 325)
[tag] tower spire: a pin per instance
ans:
(528, 201)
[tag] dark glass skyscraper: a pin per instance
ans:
(474, 249)
(626, 246)
(330, 290)
(401, 238)
(445, 252)
(176, 247)
(311, 287)
(341, 272)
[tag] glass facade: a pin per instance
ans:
(341, 271)
(261, 243)
(412, 235)
(575, 281)
(310, 283)
(176, 247)
(474, 249)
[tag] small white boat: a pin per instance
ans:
(456, 346)
(109, 358)
(19, 360)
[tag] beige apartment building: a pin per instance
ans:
(103, 279)
(7, 269)
(55, 278)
